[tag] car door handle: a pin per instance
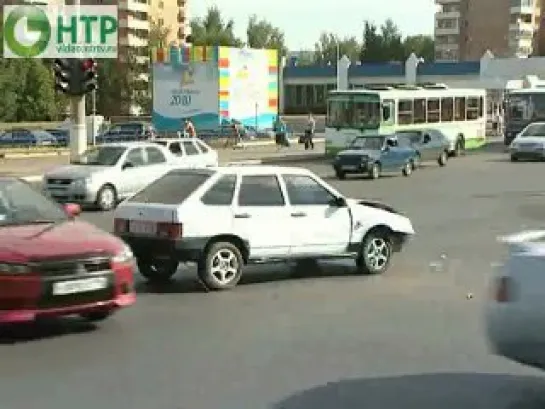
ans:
(298, 214)
(242, 216)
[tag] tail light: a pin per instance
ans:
(504, 290)
(171, 231)
(121, 226)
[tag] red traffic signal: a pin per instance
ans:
(88, 64)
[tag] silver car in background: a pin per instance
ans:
(106, 174)
(529, 144)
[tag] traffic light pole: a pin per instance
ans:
(78, 136)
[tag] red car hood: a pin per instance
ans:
(41, 241)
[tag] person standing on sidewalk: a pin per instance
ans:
(309, 132)
(280, 132)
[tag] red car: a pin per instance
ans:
(52, 264)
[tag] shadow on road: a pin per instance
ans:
(427, 391)
(186, 281)
(43, 328)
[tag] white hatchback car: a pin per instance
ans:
(191, 151)
(224, 218)
(515, 313)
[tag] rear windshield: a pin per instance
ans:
(173, 188)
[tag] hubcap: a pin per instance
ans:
(107, 198)
(377, 253)
(375, 171)
(224, 266)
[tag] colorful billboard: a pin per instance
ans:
(248, 86)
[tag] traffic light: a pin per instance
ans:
(63, 74)
(89, 75)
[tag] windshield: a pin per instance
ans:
(360, 111)
(101, 156)
(534, 130)
(371, 143)
(163, 143)
(20, 204)
(526, 107)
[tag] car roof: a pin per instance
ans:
(261, 169)
(130, 144)
(173, 139)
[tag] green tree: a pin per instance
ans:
(158, 35)
(262, 34)
(371, 50)
(37, 102)
(214, 30)
(422, 45)
(328, 44)
(117, 83)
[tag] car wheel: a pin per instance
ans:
(96, 316)
(157, 271)
(221, 266)
(106, 198)
(408, 169)
(514, 158)
(376, 252)
(417, 161)
(443, 158)
(340, 174)
(374, 172)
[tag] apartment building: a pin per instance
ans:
(466, 29)
(173, 16)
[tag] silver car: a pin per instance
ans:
(106, 174)
(529, 144)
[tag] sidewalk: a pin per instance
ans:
(257, 152)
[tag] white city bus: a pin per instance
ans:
(458, 113)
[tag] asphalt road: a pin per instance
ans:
(327, 339)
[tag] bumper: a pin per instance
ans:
(351, 168)
(25, 298)
(72, 195)
(186, 249)
(528, 155)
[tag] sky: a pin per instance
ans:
(303, 20)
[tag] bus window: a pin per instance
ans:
(388, 112)
(419, 111)
(366, 112)
(405, 112)
(459, 109)
(472, 111)
(434, 111)
(447, 108)
(339, 114)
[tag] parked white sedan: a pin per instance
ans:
(515, 312)
(192, 152)
(106, 174)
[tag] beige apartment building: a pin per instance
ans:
(466, 29)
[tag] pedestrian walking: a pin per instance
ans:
(280, 132)
(309, 132)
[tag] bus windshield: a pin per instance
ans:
(526, 107)
(359, 111)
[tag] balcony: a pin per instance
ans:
(446, 47)
(134, 5)
(441, 2)
(444, 31)
(133, 41)
(181, 3)
(522, 27)
(134, 23)
(181, 17)
(440, 15)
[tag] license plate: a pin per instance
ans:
(141, 227)
(80, 286)
(350, 167)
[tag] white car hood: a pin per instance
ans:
(76, 171)
(530, 139)
(367, 211)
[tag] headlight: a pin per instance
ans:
(14, 269)
(82, 182)
(124, 256)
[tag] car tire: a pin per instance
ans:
(106, 198)
(221, 266)
(407, 169)
(375, 253)
(374, 172)
(443, 158)
(97, 316)
(340, 174)
(417, 161)
(514, 158)
(157, 271)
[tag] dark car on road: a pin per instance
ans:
(53, 264)
(127, 132)
(22, 138)
(374, 156)
(429, 144)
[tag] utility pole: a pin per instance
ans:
(78, 135)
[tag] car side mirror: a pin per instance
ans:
(72, 209)
(127, 165)
(338, 202)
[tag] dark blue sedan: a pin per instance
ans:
(25, 138)
(375, 155)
